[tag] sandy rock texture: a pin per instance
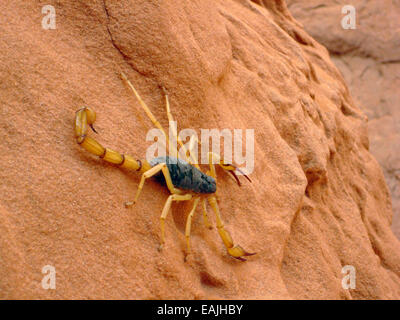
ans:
(369, 59)
(318, 201)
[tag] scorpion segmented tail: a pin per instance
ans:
(86, 117)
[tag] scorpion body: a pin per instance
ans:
(184, 179)
(185, 176)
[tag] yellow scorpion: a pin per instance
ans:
(183, 179)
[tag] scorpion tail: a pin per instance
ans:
(235, 251)
(85, 118)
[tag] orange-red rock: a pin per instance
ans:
(369, 59)
(318, 200)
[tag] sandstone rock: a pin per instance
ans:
(369, 59)
(318, 201)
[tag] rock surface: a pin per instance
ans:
(318, 201)
(369, 59)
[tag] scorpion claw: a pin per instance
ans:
(94, 130)
(232, 172)
(236, 177)
(240, 258)
(238, 252)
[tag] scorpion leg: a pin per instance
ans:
(153, 171)
(167, 206)
(146, 109)
(189, 224)
(144, 105)
(174, 153)
(235, 251)
(212, 171)
(188, 155)
(156, 122)
(205, 215)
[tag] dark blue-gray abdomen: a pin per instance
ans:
(185, 176)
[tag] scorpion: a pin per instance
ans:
(183, 178)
